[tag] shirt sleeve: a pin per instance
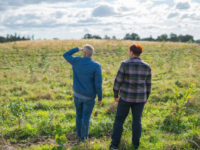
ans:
(148, 83)
(98, 82)
(119, 80)
(68, 55)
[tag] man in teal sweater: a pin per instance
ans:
(87, 83)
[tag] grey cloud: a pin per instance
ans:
(124, 9)
(103, 11)
(183, 5)
(3, 8)
(107, 29)
(90, 24)
(89, 20)
(26, 2)
(58, 14)
(7, 4)
(86, 30)
(30, 21)
(172, 14)
(191, 16)
(148, 27)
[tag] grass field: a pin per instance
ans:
(36, 97)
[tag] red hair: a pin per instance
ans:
(136, 49)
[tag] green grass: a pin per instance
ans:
(37, 72)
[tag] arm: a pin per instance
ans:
(118, 81)
(98, 82)
(68, 55)
(148, 83)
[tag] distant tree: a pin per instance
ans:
(163, 37)
(132, 36)
(106, 37)
(173, 37)
(198, 41)
(2, 39)
(186, 38)
(32, 37)
(148, 39)
(12, 38)
(96, 37)
(114, 37)
(88, 36)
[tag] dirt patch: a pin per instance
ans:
(7, 147)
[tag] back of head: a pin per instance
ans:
(89, 50)
(136, 49)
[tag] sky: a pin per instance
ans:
(72, 19)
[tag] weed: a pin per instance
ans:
(60, 138)
(19, 108)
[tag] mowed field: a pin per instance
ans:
(37, 111)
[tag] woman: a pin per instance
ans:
(133, 81)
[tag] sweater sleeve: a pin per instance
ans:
(68, 55)
(98, 82)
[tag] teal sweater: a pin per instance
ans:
(87, 76)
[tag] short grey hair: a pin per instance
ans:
(89, 49)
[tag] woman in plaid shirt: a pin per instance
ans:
(133, 82)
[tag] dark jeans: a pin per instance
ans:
(84, 109)
(122, 112)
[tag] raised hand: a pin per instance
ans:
(80, 49)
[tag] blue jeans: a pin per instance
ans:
(122, 112)
(84, 108)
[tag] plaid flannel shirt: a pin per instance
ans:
(133, 80)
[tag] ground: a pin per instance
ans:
(36, 96)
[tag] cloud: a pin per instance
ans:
(103, 11)
(58, 14)
(30, 21)
(183, 5)
(88, 20)
(191, 16)
(107, 29)
(27, 2)
(172, 14)
(3, 8)
(13, 4)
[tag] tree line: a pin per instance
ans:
(15, 37)
(163, 37)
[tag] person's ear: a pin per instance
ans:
(130, 53)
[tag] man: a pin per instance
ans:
(133, 80)
(87, 83)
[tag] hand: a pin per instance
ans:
(99, 103)
(80, 49)
(116, 99)
(146, 101)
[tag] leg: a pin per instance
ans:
(137, 109)
(79, 110)
(122, 112)
(88, 106)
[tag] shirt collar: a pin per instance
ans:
(87, 57)
(135, 58)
